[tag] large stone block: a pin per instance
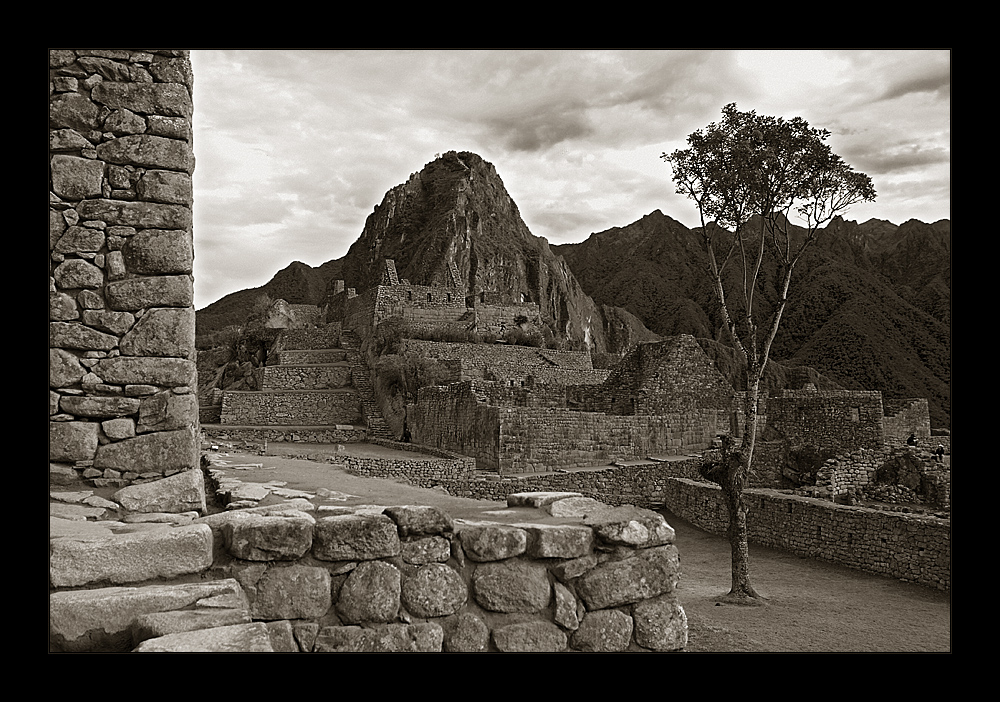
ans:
(159, 252)
(102, 619)
(182, 492)
(165, 186)
(530, 637)
(168, 99)
(147, 151)
(129, 370)
(73, 111)
(81, 239)
(417, 520)
(393, 638)
(371, 593)
(165, 411)
(155, 291)
(604, 631)
(76, 273)
(75, 178)
(292, 592)
(69, 335)
(355, 537)
(72, 441)
(631, 526)
(492, 542)
(512, 586)
(269, 538)
(660, 624)
(64, 369)
(129, 558)
(435, 590)
(162, 451)
(116, 323)
(161, 332)
(99, 407)
(558, 541)
(237, 638)
(648, 573)
(141, 215)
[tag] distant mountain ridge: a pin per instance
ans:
(869, 306)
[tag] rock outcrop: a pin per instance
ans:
(453, 225)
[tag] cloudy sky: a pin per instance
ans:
(295, 148)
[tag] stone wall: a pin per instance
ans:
(827, 420)
(392, 579)
(546, 439)
(453, 418)
(904, 546)
(122, 375)
(291, 407)
(508, 362)
(540, 434)
(905, 417)
(302, 377)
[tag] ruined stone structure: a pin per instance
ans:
(428, 308)
(121, 331)
(317, 392)
(664, 398)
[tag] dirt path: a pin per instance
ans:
(813, 606)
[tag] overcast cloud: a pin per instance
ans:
(296, 148)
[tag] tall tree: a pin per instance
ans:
(747, 174)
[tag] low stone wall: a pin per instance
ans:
(298, 357)
(904, 546)
(337, 434)
(414, 470)
(319, 338)
(294, 407)
(392, 579)
(304, 377)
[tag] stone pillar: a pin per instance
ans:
(122, 395)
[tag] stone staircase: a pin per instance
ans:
(319, 392)
(377, 426)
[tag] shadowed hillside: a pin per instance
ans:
(870, 304)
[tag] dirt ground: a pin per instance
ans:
(811, 606)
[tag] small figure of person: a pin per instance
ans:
(939, 454)
(912, 440)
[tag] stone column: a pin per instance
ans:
(122, 395)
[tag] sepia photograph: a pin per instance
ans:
(500, 350)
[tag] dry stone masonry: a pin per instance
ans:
(121, 331)
(376, 579)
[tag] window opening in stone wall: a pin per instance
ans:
(430, 298)
(409, 295)
(449, 296)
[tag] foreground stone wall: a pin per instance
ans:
(121, 306)
(393, 579)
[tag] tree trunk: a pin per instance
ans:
(736, 477)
